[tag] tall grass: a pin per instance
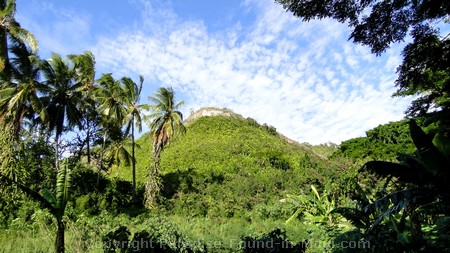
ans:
(84, 233)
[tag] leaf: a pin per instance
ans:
(63, 184)
(435, 208)
(395, 198)
(315, 192)
(400, 205)
(294, 216)
(405, 173)
(49, 196)
(33, 194)
(24, 36)
(355, 216)
(442, 144)
(9, 9)
(434, 161)
(361, 195)
(397, 201)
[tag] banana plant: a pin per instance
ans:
(315, 209)
(55, 203)
(422, 189)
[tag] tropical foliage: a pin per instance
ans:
(384, 142)
(413, 205)
(220, 183)
(55, 203)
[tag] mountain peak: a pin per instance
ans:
(211, 111)
(214, 111)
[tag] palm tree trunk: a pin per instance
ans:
(57, 152)
(133, 160)
(4, 50)
(59, 243)
(153, 186)
(3, 43)
(101, 160)
(88, 146)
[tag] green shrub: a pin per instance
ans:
(116, 240)
(88, 203)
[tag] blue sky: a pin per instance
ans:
(306, 79)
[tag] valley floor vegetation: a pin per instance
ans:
(74, 178)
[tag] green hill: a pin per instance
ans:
(227, 165)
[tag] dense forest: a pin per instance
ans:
(74, 177)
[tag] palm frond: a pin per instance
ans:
(24, 36)
(9, 9)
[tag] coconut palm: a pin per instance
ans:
(19, 94)
(84, 65)
(134, 115)
(10, 27)
(166, 122)
(63, 97)
(109, 95)
(117, 152)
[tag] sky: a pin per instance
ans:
(251, 56)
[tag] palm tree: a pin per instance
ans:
(84, 65)
(63, 98)
(134, 115)
(10, 27)
(19, 94)
(166, 122)
(117, 152)
(109, 94)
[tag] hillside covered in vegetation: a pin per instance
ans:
(226, 166)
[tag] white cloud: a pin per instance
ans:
(306, 79)
(68, 33)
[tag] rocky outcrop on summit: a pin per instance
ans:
(210, 111)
